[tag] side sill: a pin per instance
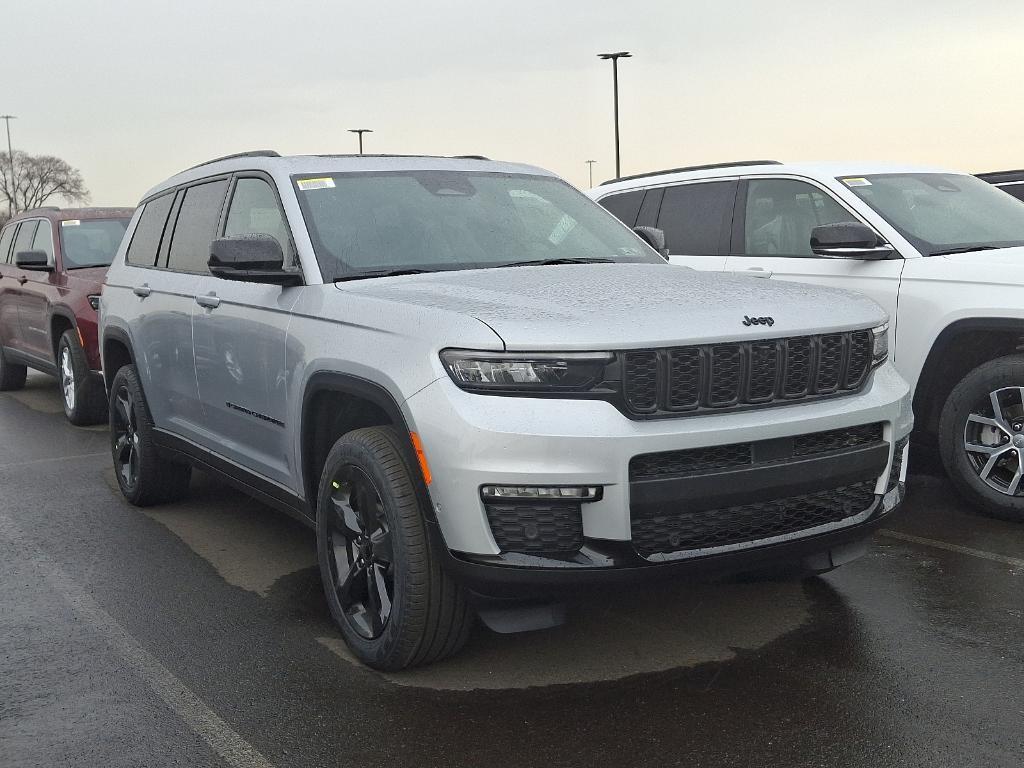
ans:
(257, 486)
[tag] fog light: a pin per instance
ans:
(542, 492)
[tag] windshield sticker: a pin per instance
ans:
(857, 182)
(307, 184)
(70, 223)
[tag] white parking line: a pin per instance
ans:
(235, 750)
(1014, 561)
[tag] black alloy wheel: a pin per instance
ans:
(126, 437)
(362, 558)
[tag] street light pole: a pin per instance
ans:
(590, 165)
(10, 156)
(360, 131)
(615, 85)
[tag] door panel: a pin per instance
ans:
(239, 331)
(240, 368)
(38, 294)
(10, 290)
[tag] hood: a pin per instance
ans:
(623, 306)
(1001, 257)
(85, 275)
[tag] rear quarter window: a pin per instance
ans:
(146, 241)
(6, 237)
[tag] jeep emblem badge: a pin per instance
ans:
(769, 321)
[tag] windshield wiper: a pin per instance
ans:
(381, 273)
(562, 260)
(965, 249)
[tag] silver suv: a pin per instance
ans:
(483, 390)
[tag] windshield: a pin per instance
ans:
(444, 220)
(90, 242)
(942, 213)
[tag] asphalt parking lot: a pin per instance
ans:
(197, 634)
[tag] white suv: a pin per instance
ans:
(472, 380)
(941, 251)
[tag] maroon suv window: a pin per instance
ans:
(91, 242)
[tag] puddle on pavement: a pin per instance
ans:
(250, 545)
(609, 639)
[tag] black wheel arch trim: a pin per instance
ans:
(350, 384)
(114, 333)
(924, 391)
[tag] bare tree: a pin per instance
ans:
(37, 179)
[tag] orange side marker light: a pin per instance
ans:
(421, 457)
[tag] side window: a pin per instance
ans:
(697, 217)
(1017, 190)
(650, 208)
(43, 240)
(254, 210)
(146, 240)
(6, 237)
(23, 242)
(625, 206)
(781, 213)
(196, 227)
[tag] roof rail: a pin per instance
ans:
(994, 177)
(470, 157)
(253, 153)
(709, 167)
(43, 208)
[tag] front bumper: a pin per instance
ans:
(474, 440)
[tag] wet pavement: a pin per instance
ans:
(197, 634)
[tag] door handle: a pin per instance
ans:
(142, 291)
(755, 272)
(210, 301)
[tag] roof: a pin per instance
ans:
(809, 169)
(70, 214)
(288, 165)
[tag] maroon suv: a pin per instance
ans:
(52, 264)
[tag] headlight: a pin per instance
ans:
(880, 347)
(525, 372)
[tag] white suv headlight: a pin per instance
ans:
(880, 345)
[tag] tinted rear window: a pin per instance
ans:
(91, 242)
(625, 206)
(696, 217)
(5, 243)
(196, 227)
(146, 240)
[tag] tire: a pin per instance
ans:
(990, 476)
(12, 376)
(427, 617)
(85, 402)
(144, 476)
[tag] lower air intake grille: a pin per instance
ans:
(749, 522)
(548, 529)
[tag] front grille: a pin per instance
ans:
(897, 464)
(749, 522)
(660, 383)
(651, 466)
(549, 529)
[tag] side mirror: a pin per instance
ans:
(654, 237)
(34, 261)
(256, 258)
(848, 240)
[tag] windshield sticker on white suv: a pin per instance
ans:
(857, 182)
(307, 184)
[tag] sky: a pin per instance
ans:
(132, 92)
